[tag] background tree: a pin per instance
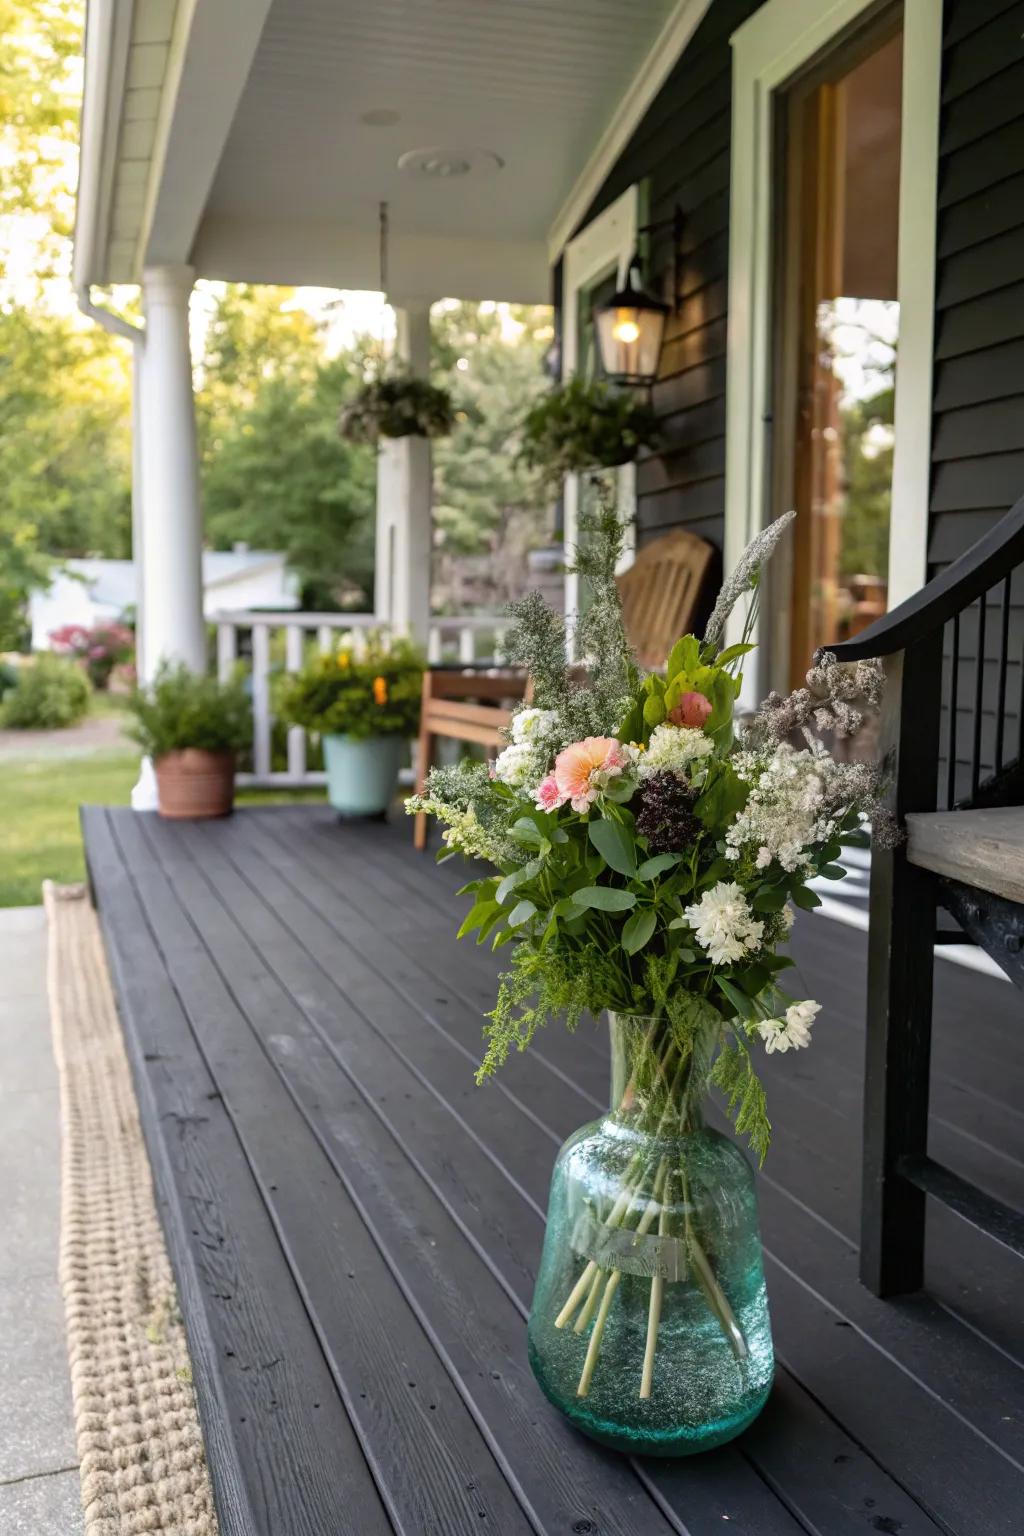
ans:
(489, 512)
(275, 473)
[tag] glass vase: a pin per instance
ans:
(649, 1327)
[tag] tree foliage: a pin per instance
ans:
(275, 473)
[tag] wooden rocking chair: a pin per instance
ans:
(659, 596)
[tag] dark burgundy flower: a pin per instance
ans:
(664, 813)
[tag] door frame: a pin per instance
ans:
(778, 41)
(603, 246)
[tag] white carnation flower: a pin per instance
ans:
(792, 1032)
(723, 923)
(672, 748)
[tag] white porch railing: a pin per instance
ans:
(453, 640)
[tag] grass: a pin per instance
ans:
(39, 832)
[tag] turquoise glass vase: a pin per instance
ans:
(649, 1327)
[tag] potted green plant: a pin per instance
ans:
(365, 706)
(584, 425)
(193, 727)
(395, 403)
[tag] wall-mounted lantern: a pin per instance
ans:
(630, 326)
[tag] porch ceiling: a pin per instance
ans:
(261, 165)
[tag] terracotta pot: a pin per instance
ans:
(192, 784)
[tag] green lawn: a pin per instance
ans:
(39, 800)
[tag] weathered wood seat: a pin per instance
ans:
(984, 849)
(659, 593)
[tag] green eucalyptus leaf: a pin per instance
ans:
(770, 898)
(515, 879)
(657, 865)
(833, 872)
(637, 930)
(605, 898)
(526, 831)
(739, 1000)
(615, 845)
(521, 912)
(802, 897)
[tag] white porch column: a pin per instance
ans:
(402, 584)
(171, 524)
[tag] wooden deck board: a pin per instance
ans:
(299, 982)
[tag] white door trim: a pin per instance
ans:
(778, 40)
(603, 247)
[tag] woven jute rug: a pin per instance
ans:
(139, 1443)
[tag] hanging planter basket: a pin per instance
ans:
(397, 405)
(585, 425)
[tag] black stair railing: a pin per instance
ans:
(951, 735)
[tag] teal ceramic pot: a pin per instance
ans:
(649, 1327)
(362, 772)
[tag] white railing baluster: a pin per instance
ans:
(261, 699)
(293, 657)
(227, 650)
(461, 636)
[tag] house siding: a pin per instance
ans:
(682, 148)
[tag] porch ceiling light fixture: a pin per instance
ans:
(630, 326)
(445, 164)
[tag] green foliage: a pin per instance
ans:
(394, 403)
(183, 709)
(374, 694)
(867, 470)
(584, 425)
(733, 1073)
(484, 497)
(275, 473)
(49, 694)
(8, 677)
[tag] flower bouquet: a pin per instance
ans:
(647, 856)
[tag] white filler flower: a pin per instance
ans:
(519, 765)
(723, 924)
(532, 726)
(791, 1033)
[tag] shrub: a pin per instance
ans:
(375, 694)
(8, 676)
(180, 709)
(100, 647)
(48, 695)
(585, 425)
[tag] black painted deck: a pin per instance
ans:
(354, 1226)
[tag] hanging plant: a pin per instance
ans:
(584, 425)
(397, 404)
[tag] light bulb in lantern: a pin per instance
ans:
(626, 329)
(629, 329)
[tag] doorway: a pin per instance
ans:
(837, 264)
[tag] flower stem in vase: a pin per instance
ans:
(657, 1293)
(713, 1293)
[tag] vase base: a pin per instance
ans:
(646, 1440)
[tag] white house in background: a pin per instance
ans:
(96, 591)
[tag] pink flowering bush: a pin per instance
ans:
(100, 647)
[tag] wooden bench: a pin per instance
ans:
(659, 597)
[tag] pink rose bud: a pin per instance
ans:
(692, 710)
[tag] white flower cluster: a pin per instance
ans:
(723, 924)
(792, 1032)
(787, 809)
(524, 762)
(672, 748)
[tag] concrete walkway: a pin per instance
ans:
(39, 1487)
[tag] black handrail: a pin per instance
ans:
(949, 593)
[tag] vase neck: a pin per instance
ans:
(658, 1082)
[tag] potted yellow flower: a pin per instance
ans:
(365, 706)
